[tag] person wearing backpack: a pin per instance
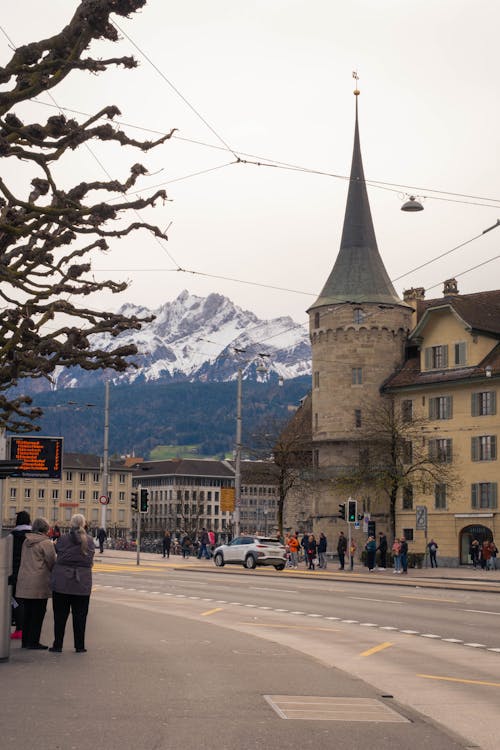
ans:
(433, 548)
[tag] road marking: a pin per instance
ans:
(409, 632)
(475, 645)
(457, 679)
(350, 622)
(388, 627)
(369, 624)
(382, 601)
(376, 649)
(429, 599)
(281, 591)
(481, 611)
(212, 611)
(452, 640)
(288, 627)
(429, 635)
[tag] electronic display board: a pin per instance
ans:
(40, 456)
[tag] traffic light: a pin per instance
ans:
(352, 516)
(342, 510)
(144, 501)
(135, 501)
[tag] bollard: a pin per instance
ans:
(5, 595)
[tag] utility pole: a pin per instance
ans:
(138, 517)
(105, 456)
(237, 465)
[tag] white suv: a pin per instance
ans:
(251, 551)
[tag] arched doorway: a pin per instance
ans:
(467, 535)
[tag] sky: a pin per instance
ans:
(270, 81)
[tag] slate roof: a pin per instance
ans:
(89, 462)
(359, 273)
(480, 311)
(186, 467)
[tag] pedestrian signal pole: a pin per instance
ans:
(139, 514)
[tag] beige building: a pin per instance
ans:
(78, 491)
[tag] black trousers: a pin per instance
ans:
(79, 606)
(17, 612)
(34, 613)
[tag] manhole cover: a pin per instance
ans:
(319, 708)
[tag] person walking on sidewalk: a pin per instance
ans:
(404, 555)
(102, 535)
(341, 549)
(204, 542)
(352, 552)
(474, 552)
(485, 554)
(312, 549)
(382, 548)
(396, 555)
(22, 527)
(166, 543)
(433, 548)
(33, 582)
(71, 583)
(322, 547)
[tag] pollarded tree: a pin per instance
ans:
(47, 233)
(396, 456)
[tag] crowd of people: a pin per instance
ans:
(47, 565)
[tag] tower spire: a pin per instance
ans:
(359, 273)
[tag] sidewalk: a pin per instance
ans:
(465, 578)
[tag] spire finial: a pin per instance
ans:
(356, 91)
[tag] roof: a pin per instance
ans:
(359, 274)
(90, 462)
(187, 467)
(410, 375)
(479, 311)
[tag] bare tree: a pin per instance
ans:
(396, 455)
(47, 233)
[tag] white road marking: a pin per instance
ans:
(281, 591)
(481, 611)
(409, 632)
(429, 635)
(475, 645)
(368, 624)
(366, 599)
(388, 627)
(452, 640)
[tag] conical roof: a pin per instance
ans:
(359, 273)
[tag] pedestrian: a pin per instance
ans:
(474, 552)
(312, 549)
(186, 546)
(304, 542)
(204, 542)
(23, 525)
(33, 581)
(166, 543)
(294, 546)
(341, 549)
(485, 554)
(322, 547)
(102, 535)
(382, 548)
(352, 552)
(371, 551)
(494, 553)
(211, 541)
(404, 555)
(396, 555)
(71, 583)
(433, 548)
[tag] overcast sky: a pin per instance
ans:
(273, 79)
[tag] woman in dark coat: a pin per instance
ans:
(312, 549)
(72, 583)
(22, 527)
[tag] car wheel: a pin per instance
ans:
(281, 566)
(219, 560)
(250, 562)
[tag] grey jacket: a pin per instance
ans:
(72, 573)
(37, 560)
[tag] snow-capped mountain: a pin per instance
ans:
(195, 338)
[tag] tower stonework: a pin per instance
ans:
(358, 329)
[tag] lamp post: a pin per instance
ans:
(105, 455)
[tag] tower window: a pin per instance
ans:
(316, 379)
(359, 315)
(316, 320)
(357, 417)
(357, 375)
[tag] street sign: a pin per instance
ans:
(421, 517)
(39, 456)
(104, 500)
(356, 525)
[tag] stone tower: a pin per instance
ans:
(358, 327)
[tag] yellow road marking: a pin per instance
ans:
(375, 649)
(288, 627)
(429, 598)
(457, 679)
(212, 611)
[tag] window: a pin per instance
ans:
(316, 379)
(316, 320)
(27, 493)
(461, 353)
(356, 376)
(408, 534)
(484, 448)
(69, 476)
(95, 496)
(55, 494)
(440, 496)
(441, 450)
(95, 514)
(357, 417)
(41, 494)
(407, 410)
(407, 452)
(13, 492)
(121, 478)
(316, 420)
(121, 515)
(484, 495)
(436, 357)
(83, 476)
(82, 495)
(364, 458)
(441, 407)
(359, 315)
(96, 476)
(69, 494)
(484, 403)
(408, 497)
(121, 497)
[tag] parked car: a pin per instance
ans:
(251, 551)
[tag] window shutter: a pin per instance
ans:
(449, 450)
(449, 407)
(475, 449)
(493, 495)
(493, 447)
(432, 408)
(428, 358)
(445, 355)
(493, 402)
(474, 495)
(474, 405)
(461, 353)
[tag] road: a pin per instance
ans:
(182, 656)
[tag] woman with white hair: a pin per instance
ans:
(71, 583)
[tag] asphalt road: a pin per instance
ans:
(184, 657)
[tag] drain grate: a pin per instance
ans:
(319, 708)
